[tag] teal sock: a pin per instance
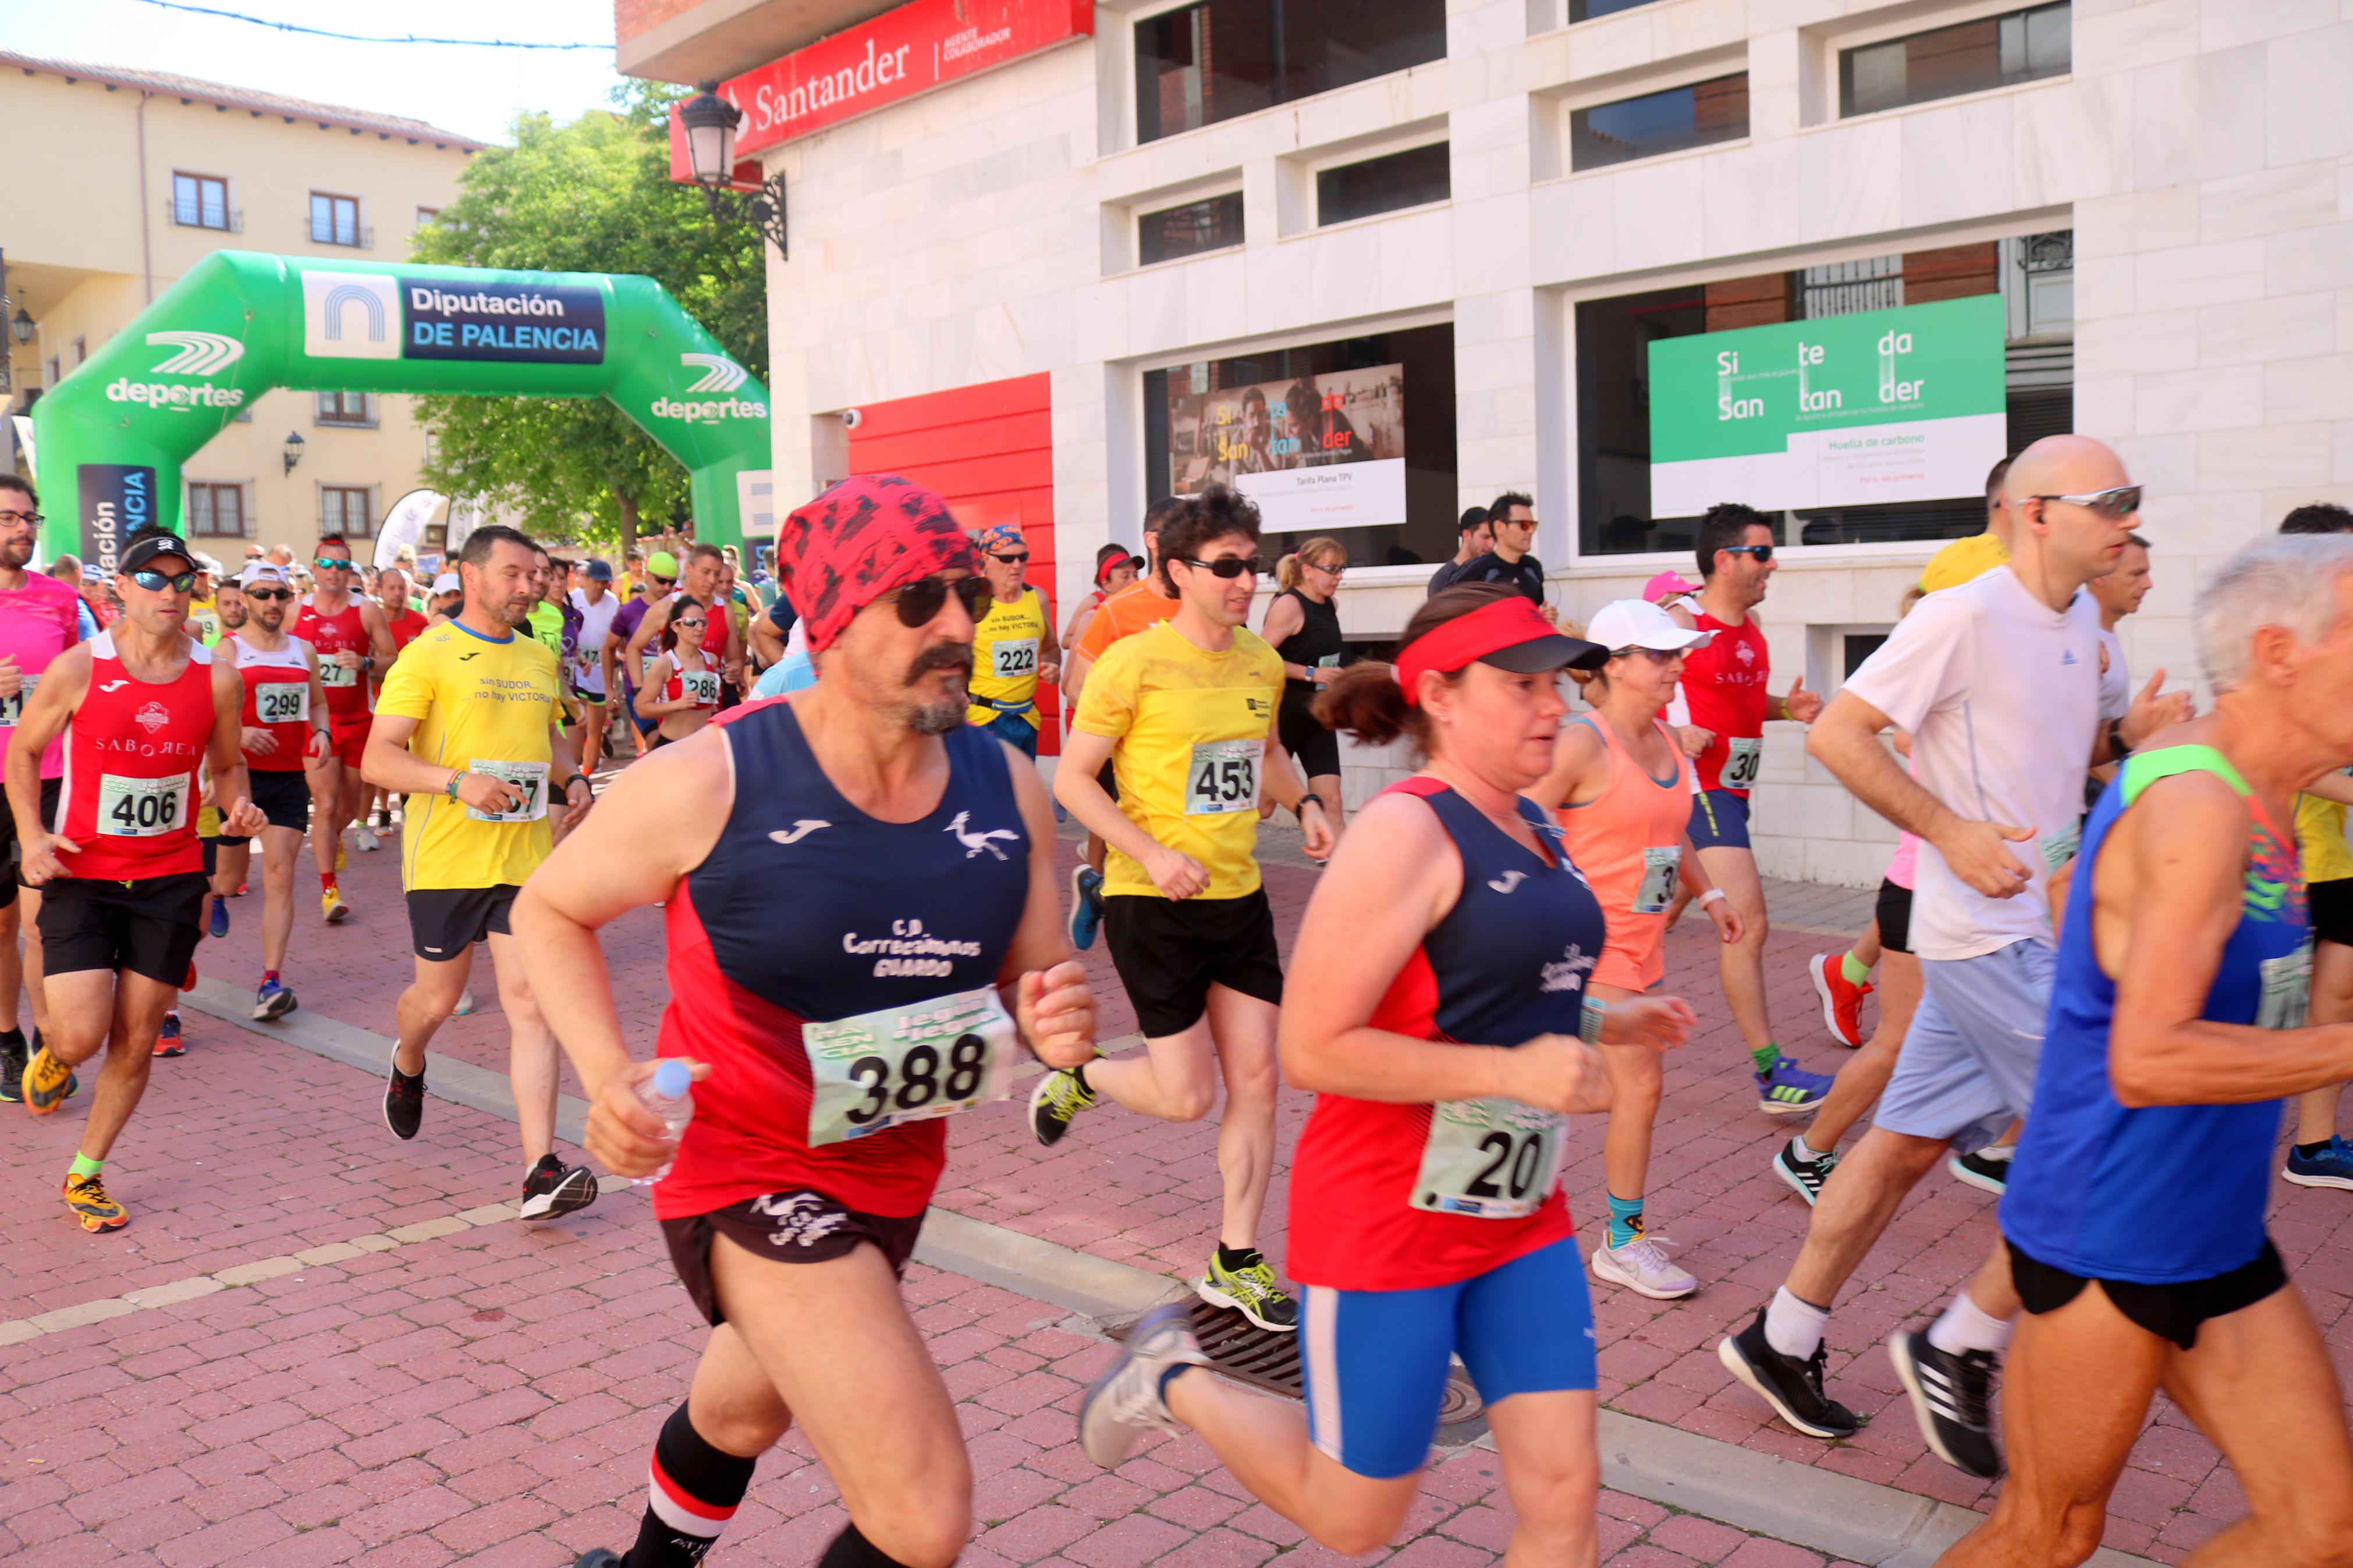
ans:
(84, 1165)
(1856, 974)
(1625, 1220)
(1764, 1055)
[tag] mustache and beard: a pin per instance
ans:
(16, 554)
(936, 716)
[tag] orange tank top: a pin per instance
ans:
(1628, 840)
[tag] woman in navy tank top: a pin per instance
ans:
(1441, 1018)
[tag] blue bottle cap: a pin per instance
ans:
(673, 1079)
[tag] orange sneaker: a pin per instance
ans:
(90, 1203)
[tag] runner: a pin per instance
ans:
(284, 718)
(1725, 683)
(204, 608)
(466, 732)
(682, 690)
(699, 581)
(1966, 560)
(1997, 682)
(139, 708)
(625, 663)
(1302, 624)
(2176, 1024)
(1115, 572)
(597, 606)
(1185, 713)
(1013, 647)
(1440, 999)
(1621, 788)
(779, 840)
(349, 634)
(448, 597)
(1475, 537)
(404, 621)
(1511, 518)
(40, 619)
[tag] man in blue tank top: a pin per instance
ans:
(2135, 1217)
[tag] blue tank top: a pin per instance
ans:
(2159, 1194)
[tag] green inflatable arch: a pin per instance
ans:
(112, 435)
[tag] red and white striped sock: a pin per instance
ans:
(692, 1491)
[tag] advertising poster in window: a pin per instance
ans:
(1907, 404)
(1321, 451)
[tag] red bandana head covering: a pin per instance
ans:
(858, 540)
(1509, 633)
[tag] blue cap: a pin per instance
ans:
(673, 1079)
(600, 570)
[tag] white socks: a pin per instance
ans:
(1794, 1327)
(1966, 1327)
(1802, 1150)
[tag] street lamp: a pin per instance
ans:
(293, 449)
(710, 122)
(22, 325)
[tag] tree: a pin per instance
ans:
(594, 195)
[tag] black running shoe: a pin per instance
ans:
(555, 1189)
(1953, 1398)
(598, 1557)
(1804, 1177)
(1792, 1387)
(404, 1100)
(13, 1058)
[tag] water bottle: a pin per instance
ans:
(669, 1094)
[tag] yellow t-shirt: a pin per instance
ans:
(1963, 561)
(1191, 729)
(475, 700)
(1006, 646)
(2320, 839)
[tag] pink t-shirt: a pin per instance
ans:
(37, 622)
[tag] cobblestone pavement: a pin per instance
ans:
(337, 1350)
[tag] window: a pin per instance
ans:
(1968, 56)
(346, 509)
(356, 409)
(56, 376)
(1200, 63)
(81, 350)
(335, 220)
(1586, 10)
(1659, 123)
(1211, 224)
(216, 511)
(201, 201)
(427, 214)
(1408, 179)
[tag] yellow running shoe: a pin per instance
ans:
(87, 1199)
(46, 1083)
(330, 904)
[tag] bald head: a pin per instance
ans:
(2063, 465)
(2058, 545)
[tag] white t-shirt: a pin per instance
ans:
(2002, 698)
(596, 625)
(2115, 680)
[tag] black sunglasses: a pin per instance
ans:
(1011, 560)
(1762, 551)
(920, 600)
(665, 581)
(1228, 568)
(268, 594)
(156, 582)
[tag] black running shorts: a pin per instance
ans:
(801, 1226)
(2332, 911)
(1895, 916)
(1169, 952)
(11, 851)
(284, 796)
(1317, 749)
(443, 922)
(149, 927)
(2169, 1311)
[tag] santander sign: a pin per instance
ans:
(899, 54)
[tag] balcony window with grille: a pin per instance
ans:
(1199, 63)
(1657, 122)
(354, 409)
(1408, 179)
(216, 511)
(335, 220)
(200, 201)
(1212, 223)
(1968, 56)
(345, 509)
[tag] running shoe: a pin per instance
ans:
(1086, 905)
(1987, 1170)
(555, 1189)
(404, 1100)
(1842, 999)
(1249, 1290)
(12, 1071)
(2332, 1167)
(1952, 1396)
(168, 1042)
(1128, 1400)
(366, 836)
(1789, 1089)
(1804, 1177)
(219, 926)
(598, 1557)
(46, 1083)
(1643, 1267)
(464, 1004)
(1059, 1098)
(90, 1202)
(1791, 1386)
(273, 1002)
(331, 906)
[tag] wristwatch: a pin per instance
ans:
(1300, 809)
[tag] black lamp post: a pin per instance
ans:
(710, 121)
(293, 449)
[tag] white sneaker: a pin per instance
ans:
(464, 1004)
(1643, 1266)
(1124, 1403)
(367, 838)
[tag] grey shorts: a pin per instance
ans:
(1969, 1058)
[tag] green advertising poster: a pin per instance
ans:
(1906, 404)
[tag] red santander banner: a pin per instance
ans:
(899, 54)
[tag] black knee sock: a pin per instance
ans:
(852, 1549)
(692, 1491)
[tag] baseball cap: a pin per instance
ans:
(259, 572)
(207, 564)
(1509, 633)
(91, 574)
(1666, 584)
(447, 584)
(1638, 623)
(1472, 517)
(599, 571)
(148, 547)
(663, 564)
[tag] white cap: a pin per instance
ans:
(1638, 623)
(259, 572)
(447, 584)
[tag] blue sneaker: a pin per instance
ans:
(220, 916)
(272, 1002)
(2332, 1167)
(1086, 905)
(1789, 1089)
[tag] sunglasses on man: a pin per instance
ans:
(1015, 560)
(270, 596)
(1762, 551)
(330, 563)
(921, 600)
(155, 582)
(2115, 503)
(1228, 567)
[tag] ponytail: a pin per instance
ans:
(1286, 570)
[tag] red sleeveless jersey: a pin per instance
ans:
(281, 679)
(706, 693)
(133, 750)
(343, 632)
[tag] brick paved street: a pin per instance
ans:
(398, 1376)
